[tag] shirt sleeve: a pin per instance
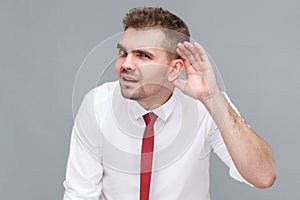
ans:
(216, 141)
(84, 169)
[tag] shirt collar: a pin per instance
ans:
(163, 112)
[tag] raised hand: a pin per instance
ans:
(201, 83)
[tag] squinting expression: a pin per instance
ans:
(142, 65)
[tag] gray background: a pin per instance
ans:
(255, 44)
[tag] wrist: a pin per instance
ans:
(212, 97)
(215, 101)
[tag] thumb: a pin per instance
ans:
(184, 87)
(179, 84)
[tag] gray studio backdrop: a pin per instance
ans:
(255, 44)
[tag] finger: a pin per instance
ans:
(181, 54)
(185, 59)
(201, 52)
(194, 51)
(189, 56)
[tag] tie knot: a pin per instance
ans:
(150, 119)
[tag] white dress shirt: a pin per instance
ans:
(105, 148)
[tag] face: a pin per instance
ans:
(143, 66)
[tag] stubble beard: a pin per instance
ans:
(141, 92)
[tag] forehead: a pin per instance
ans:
(142, 38)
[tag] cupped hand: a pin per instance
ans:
(201, 83)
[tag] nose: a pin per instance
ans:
(129, 63)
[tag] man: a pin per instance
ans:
(149, 135)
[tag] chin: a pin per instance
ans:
(129, 94)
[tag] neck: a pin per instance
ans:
(155, 101)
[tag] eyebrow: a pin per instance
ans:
(119, 46)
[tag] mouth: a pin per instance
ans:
(129, 79)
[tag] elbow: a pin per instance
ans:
(267, 181)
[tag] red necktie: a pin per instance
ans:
(147, 156)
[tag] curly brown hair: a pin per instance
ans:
(174, 28)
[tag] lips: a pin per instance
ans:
(129, 79)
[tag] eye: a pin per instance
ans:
(122, 52)
(144, 55)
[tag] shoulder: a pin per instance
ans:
(98, 99)
(188, 102)
(100, 94)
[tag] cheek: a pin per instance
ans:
(118, 66)
(154, 72)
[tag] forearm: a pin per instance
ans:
(84, 171)
(250, 153)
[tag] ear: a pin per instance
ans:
(177, 66)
